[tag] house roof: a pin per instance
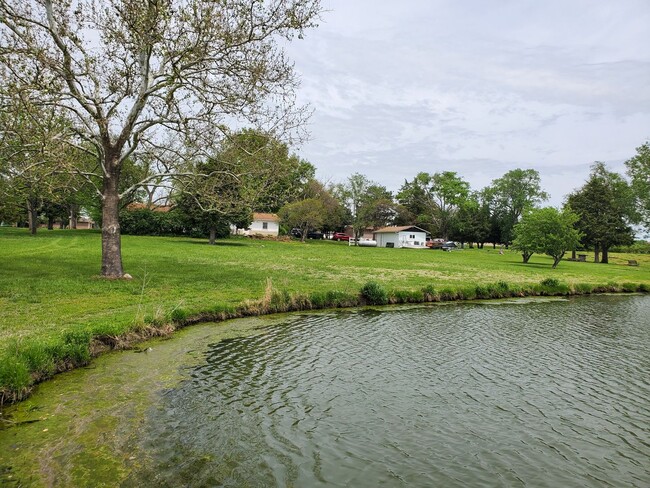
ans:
(142, 206)
(394, 229)
(266, 216)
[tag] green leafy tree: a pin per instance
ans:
(434, 199)
(335, 214)
(274, 175)
(32, 156)
(606, 209)
(511, 195)
(154, 81)
(250, 171)
(369, 204)
(546, 231)
(415, 205)
(472, 222)
(638, 167)
(303, 215)
(377, 207)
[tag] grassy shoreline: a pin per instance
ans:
(58, 314)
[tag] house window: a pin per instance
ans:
(265, 225)
(412, 236)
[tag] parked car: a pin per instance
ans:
(340, 236)
(449, 246)
(312, 234)
(435, 243)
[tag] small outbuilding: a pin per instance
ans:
(408, 236)
(266, 224)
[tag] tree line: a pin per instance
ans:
(193, 104)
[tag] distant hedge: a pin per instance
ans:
(146, 222)
(639, 247)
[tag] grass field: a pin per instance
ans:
(56, 309)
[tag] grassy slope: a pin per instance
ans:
(49, 283)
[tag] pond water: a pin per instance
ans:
(521, 393)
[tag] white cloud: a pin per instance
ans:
(476, 87)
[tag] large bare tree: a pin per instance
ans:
(156, 81)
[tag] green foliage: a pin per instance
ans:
(605, 207)
(546, 230)
(629, 287)
(406, 296)
(38, 356)
(435, 200)
(332, 299)
(14, 377)
(149, 222)
(638, 247)
(472, 221)
(510, 196)
(428, 293)
(179, 314)
(369, 204)
(551, 282)
(374, 294)
(335, 216)
(638, 167)
(304, 215)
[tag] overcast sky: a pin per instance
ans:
(477, 87)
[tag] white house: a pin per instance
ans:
(406, 236)
(266, 224)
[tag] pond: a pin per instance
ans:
(539, 392)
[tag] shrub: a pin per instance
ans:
(550, 282)
(14, 377)
(178, 315)
(38, 356)
(480, 291)
(340, 299)
(406, 296)
(629, 287)
(373, 294)
(583, 288)
(428, 293)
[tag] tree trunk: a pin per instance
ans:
(605, 258)
(62, 224)
(50, 223)
(596, 253)
(74, 210)
(32, 212)
(526, 256)
(573, 255)
(556, 260)
(111, 238)
(213, 235)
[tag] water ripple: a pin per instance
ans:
(552, 393)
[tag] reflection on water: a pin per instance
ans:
(538, 394)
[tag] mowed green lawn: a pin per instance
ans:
(50, 283)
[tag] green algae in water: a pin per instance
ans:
(81, 428)
(138, 420)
